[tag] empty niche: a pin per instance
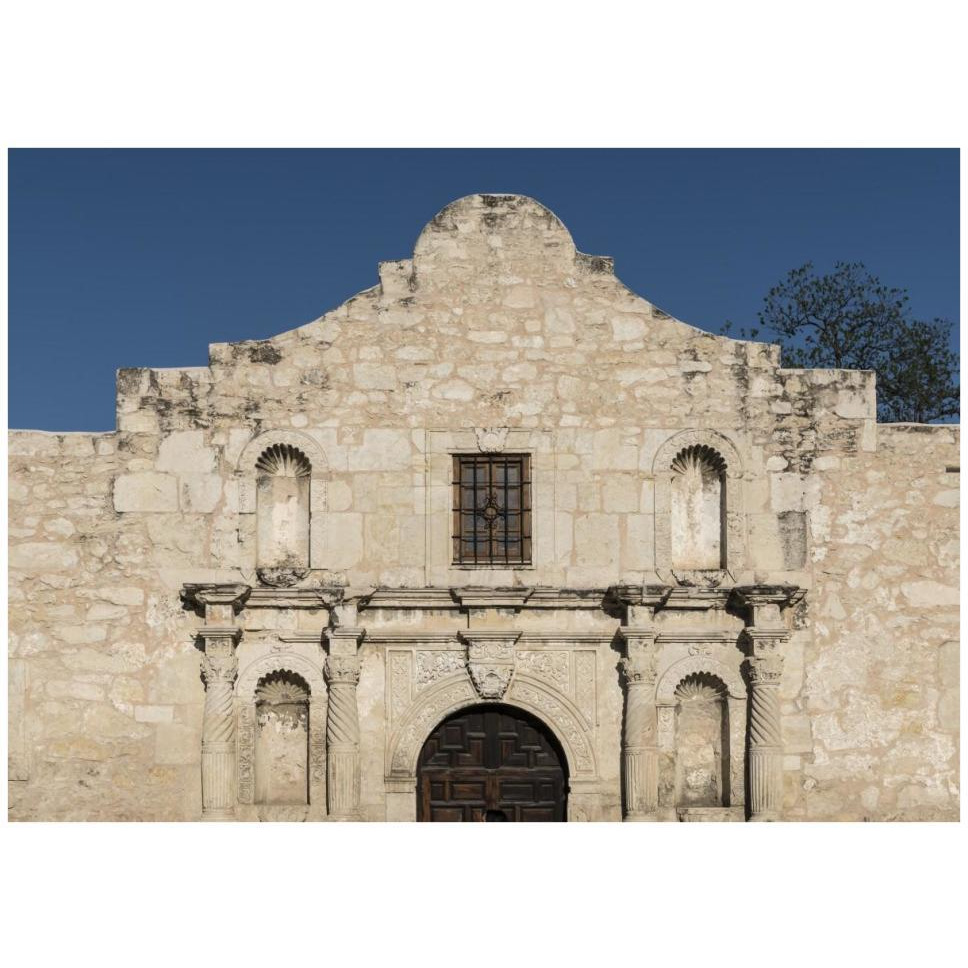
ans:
(282, 740)
(698, 509)
(702, 742)
(282, 505)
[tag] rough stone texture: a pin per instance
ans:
(496, 333)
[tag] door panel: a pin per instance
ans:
(491, 760)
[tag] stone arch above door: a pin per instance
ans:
(529, 694)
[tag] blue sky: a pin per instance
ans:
(142, 258)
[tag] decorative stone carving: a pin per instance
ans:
(399, 683)
(532, 695)
(585, 679)
(246, 752)
(552, 666)
(554, 711)
(699, 578)
(490, 661)
(281, 577)
(434, 708)
(434, 665)
(491, 440)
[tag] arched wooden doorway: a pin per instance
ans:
(491, 763)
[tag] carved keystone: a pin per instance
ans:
(490, 661)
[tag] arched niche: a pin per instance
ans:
(700, 528)
(282, 739)
(701, 704)
(281, 478)
(287, 674)
(698, 510)
(701, 742)
(282, 513)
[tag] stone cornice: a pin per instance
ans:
(476, 598)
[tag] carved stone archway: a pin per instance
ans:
(245, 688)
(555, 711)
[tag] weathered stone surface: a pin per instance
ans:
(146, 492)
(496, 337)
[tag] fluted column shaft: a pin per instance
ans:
(343, 738)
(765, 739)
(219, 668)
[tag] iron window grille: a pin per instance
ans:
(492, 509)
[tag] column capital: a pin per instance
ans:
(343, 669)
(765, 670)
(638, 668)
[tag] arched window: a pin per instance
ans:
(702, 752)
(282, 740)
(698, 509)
(282, 501)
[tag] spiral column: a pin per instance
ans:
(640, 755)
(765, 738)
(219, 668)
(343, 725)
(218, 638)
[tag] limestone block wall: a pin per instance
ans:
(105, 697)
(875, 724)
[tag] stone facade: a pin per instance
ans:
(740, 599)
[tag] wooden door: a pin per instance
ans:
(491, 763)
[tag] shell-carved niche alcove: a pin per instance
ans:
(701, 703)
(282, 739)
(281, 703)
(700, 527)
(281, 478)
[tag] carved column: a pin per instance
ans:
(640, 754)
(219, 638)
(219, 667)
(765, 738)
(343, 725)
(765, 638)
